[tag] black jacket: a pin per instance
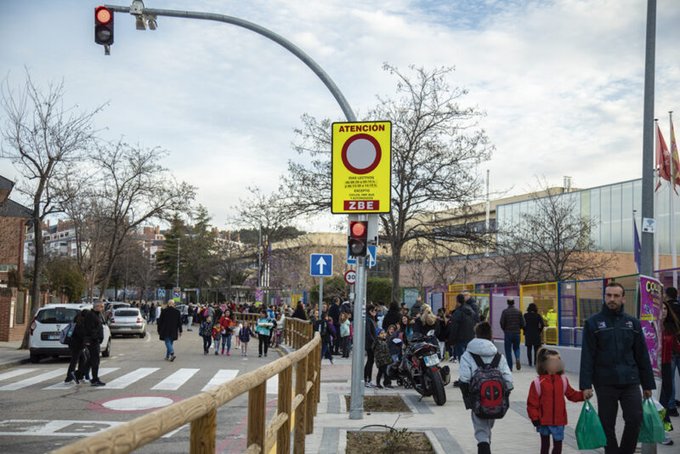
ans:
(614, 351)
(533, 327)
(391, 318)
(462, 328)
(93, 330)
(512, 320)
(300, 313)
(422, 328)
(170, 323)
(334, 312)
(370, 334)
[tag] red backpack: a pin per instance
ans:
(489, 395)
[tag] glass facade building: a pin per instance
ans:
(611, 208)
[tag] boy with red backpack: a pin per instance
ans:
(486, 382)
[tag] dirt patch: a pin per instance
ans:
(386, 404)
(397, 441)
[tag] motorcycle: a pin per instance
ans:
(421, 369)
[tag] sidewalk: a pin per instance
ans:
(11, 356)
(448, 427)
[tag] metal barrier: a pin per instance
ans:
(296, 404)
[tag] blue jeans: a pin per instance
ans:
(169, 351)
(226, 340)
(511, 345)
(675, 366)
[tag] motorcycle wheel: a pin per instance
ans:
(438, 391)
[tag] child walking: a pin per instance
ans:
(217, 336)
(344, 334)
(546, 406)
(244, 337)
(205, 331)
(482, 353)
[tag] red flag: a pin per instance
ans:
(663, 157)
(674, 156)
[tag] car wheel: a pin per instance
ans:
(35, 358)
(106, 353)
(142, 335)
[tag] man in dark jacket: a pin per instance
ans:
(93, 335)
(334, 313)
(615, 360)
(462, 328)
(671, 294)
(512, 323)
(169, 328)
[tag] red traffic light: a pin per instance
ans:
(103, 15)
(103, 26)
(358, 229)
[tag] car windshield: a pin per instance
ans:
(57, 315)
(126, 313)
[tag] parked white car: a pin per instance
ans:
(46, 328)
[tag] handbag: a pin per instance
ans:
(589, 431)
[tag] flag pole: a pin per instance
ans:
(671, 191)
(656, 204)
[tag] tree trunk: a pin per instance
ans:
(395, 268)
(37, 265)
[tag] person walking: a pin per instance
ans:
(93, 336)
(512, 323)
(344, 334)
(299, 312)
(191, 312)
(369, 336)
(462, 329)
(244, 335)
(205, 331)
(671, 297)
(227, 325)
(615, 360)
(546, 406)
(264, 327)
(481, 349)
(670, 344)
(169, 328)
(381, 352)
(75, 345)
(334, 313)
(533, 330)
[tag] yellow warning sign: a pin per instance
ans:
(362, 167)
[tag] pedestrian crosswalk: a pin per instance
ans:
(154, 377)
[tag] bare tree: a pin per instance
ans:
(43, 139)
(436, 148)
(553, 241)
(133, 188)
(514, 264)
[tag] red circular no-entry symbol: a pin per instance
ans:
(361, 154)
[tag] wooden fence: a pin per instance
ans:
(294, 419)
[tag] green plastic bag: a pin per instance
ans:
(589, 431)
(652, 426)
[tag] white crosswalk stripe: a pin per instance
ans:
(222, 376)
(170, 381)
(61, 385)
(177, 379)
(33, 380)
(14, 373)
(130, 378)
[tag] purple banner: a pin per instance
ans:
(651, 299)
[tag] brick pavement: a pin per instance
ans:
(448, 427)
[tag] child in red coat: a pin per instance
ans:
(546, 405)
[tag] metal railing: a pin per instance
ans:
(294, 419)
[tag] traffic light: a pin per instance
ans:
(103, 26)
(358, 238)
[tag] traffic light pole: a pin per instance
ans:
(357, 395)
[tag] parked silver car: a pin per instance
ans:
(127, 320)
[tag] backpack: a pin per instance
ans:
(67, 333)
(537, 385)
(489, 395)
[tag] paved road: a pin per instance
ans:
(38, 412)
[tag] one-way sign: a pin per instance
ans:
(320, 265)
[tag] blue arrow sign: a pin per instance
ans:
(320, 265)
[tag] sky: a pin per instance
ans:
(560, 81)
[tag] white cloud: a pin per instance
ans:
(560, 81)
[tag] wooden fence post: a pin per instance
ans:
(300, 412)
(284, 406)
(203, 432)
(256, 415)
(310, 396)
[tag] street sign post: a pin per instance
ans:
(320, 265)
(361, 167)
